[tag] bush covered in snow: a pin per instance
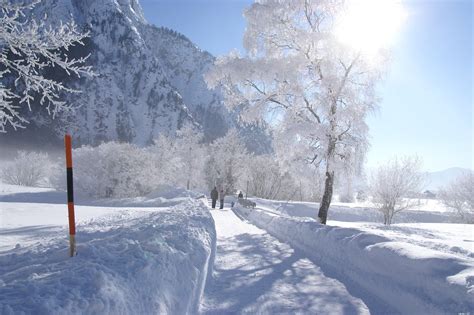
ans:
(111, 170)
(459, 196)
(125, 170)
(181, 159)
(27, 169)
(392, 183)
(185, 161)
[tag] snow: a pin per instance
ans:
(256, 274)
(360, 212)
(167, 253)
(130, 260)
(390, 274)
(455, 239)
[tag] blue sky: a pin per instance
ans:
(427, 104)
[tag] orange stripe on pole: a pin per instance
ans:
(72, 218)
(68, 145)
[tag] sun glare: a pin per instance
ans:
(369, 25)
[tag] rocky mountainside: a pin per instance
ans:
(149, 79)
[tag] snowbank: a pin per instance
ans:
(363, 212)
(390, 277)
(164, 197)
(128, 262)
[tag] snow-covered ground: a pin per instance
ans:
(141, 260)
(361, 211)
(455, 239)
(254, 273)
(155, 254)
(406, 268)
(417, 227)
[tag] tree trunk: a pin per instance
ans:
(390, 218)
(328, 187)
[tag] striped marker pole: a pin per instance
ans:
(70, 196)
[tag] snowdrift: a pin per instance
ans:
(128, 262)
(390, 277)
(165, 196)
(353, 212)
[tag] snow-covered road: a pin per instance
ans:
(254, 273)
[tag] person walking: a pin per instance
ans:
(241, 195)
(221, 198)
(214, 195)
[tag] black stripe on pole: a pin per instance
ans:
(70, 194)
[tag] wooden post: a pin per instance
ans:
(70, 196)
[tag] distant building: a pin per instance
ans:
(428, 194)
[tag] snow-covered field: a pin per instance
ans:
(131, 260)
(407, 268)
(432, 229)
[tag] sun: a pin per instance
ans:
(369, 25)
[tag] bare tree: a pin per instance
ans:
(392, 183)
(27, 48)
(459, 196)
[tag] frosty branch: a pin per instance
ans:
(27, 49)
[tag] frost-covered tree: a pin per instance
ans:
(192, 155)
(319, 90)
(265, 177)
(392, 183)
(303, 181)
(111, 170)
(459, 196)
(167, 165)
(180, 160)
(27, 49)
(227, 162)
(27, 169)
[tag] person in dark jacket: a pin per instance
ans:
(221, 198)
(214, 195)
(241, 195)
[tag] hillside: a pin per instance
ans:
(436, 180)
(149, 81)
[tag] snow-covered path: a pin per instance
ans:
(254, 273)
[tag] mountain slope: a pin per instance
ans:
(437, 180)
(149, 80)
